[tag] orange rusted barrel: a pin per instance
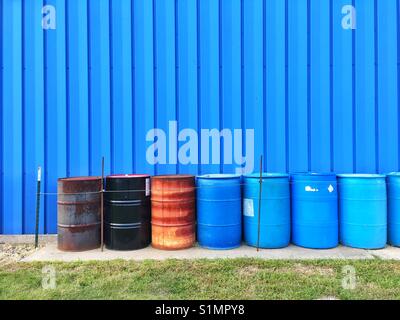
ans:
(173, 211)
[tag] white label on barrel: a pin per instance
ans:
(331, 189)
(248, 206)
(147, 187)
(310, 189)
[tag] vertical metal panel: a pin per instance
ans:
(143, 81)
(165, 88)
(319, 97)
(78, 88)
(1, 120)
(230, 70)
(187, 75)
(320, 104)
(209, 113)
(12, 116)
(387, 85)
(298, 85)
(342, 90)
(99, 85)
(365, 137)
(55, 164)
(253, 72)
(121, 73)
(275, 58)
(33, 109)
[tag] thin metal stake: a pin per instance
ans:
(102, 204)
(259, 204)
(39, 178)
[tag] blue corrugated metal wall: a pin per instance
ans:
(319, 97)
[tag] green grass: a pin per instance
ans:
(202, 279)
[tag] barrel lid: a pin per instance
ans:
(313, 175)
(122, 176)
(361, 175)
(219, 176)
(266, 175)
(79, 179)
(394, 174)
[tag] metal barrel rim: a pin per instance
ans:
(81, 178)
(217, 176)
(361, 176)
(127, 176)
(266, 175)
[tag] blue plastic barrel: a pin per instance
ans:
(219, 211)
(314, 210)
(275, 210)
(363, 210)
(393, 185)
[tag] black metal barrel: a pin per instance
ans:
(79, 221)
(127, 212)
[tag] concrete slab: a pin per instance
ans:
(389, 253)
(27, 239)
(51, 253)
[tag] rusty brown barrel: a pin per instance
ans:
(173, 205)
(79, 220)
